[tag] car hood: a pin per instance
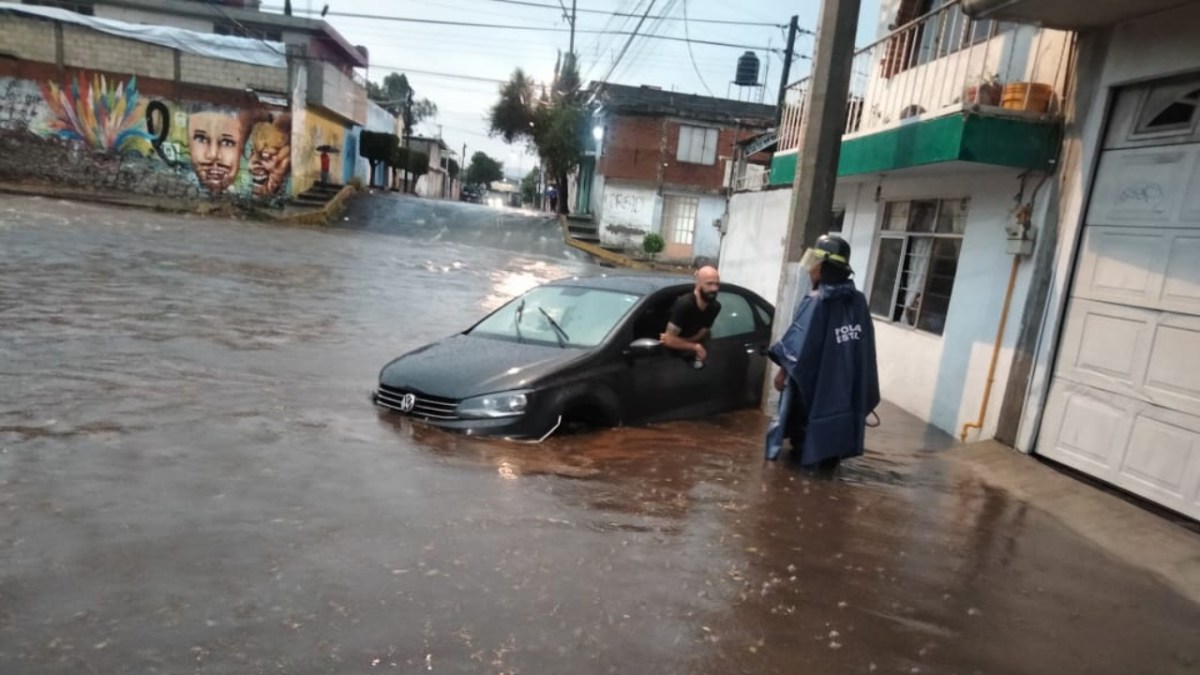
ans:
(464, 366)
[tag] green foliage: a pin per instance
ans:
(399, 158)
(529, 186)
(418, 163)
(653, 244)
(398, 97)
(483, 170)
(452, 168)
(551, 123)
(377, 148)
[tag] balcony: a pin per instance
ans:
(945, 88)
(341, 94)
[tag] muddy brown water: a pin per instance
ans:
(192, 480)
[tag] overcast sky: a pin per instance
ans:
(493, 53)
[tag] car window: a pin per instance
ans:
(585, 316)
(736, 317)
(764, 315)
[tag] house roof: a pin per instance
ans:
(645, 100)
(425, 139)
(251, 18)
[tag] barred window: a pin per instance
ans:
(917, 260)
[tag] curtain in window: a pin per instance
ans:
(919, 251)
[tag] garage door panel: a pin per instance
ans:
(1082, 428)
(1173, 373)
(1124, 402)
(1181, 290)
(1142, 187)
(1159, 457)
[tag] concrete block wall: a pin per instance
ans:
(25, 39)
(33, 39)
(86, 48)
(194, 69)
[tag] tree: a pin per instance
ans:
(377, 148)
(529, 186)
(452, 169)
(551, 124)
(398, 97)
(483, 170)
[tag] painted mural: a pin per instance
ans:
(321, 133)
(99, 132)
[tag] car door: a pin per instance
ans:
(664, 385)
(737, 351)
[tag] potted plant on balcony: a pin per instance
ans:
(987, 91)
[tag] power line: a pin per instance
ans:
(537, 29)
(628, 42)
(432, 73)
(687, 33)
(725, 22)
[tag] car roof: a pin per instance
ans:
(640, 284)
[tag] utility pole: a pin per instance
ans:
(571, 20)
(789, 55)
(821, 130)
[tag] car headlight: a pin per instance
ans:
(503, 404)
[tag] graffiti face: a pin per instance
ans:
(270, 156)
(215, 140)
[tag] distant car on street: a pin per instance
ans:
(582, 352)
(472, 194)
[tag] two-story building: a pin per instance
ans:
(661, 166)
(328, 97)
(1018, 180)
(950, 143)
(1105, 373)
(435, 183)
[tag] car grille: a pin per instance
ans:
(430, 408)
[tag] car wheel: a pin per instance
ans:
(582, 416)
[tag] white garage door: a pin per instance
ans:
(1124, 404)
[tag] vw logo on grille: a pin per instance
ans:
(407, 403)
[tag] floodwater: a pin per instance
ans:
(192, 480)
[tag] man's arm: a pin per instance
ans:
(672, 339)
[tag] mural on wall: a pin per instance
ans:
(186, 150)
(104, 116)
(320, 133)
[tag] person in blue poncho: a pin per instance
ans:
(827, 371)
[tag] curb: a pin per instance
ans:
(618, 259)
(323, 215)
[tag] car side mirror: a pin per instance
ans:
(645, 347)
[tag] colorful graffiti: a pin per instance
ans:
(104, 116)
(219, 151)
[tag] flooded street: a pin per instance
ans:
(192, 479)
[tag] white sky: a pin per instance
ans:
(494, 53)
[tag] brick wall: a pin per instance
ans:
(26, 39)
(30, 39)
(194, 69)
(86, 48)
(644, 149)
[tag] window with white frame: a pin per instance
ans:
(697, 145)
(917, 260)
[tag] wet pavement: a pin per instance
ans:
(192, 480)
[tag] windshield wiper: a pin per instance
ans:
(517, 323)
(561, 334)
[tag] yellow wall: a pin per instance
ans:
(319, 129)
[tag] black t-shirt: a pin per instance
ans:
(688, 316)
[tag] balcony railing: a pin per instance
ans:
(941, 63)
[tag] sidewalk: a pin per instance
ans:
(1122, 528)
(290, 213)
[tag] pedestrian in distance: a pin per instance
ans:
(324, 167)
(828, 377)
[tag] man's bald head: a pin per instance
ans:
(708, 283)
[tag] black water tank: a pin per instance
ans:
(747, 70)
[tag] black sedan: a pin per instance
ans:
(582, 352)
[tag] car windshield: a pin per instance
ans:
(565, 316)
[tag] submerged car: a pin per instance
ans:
(582, 352)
